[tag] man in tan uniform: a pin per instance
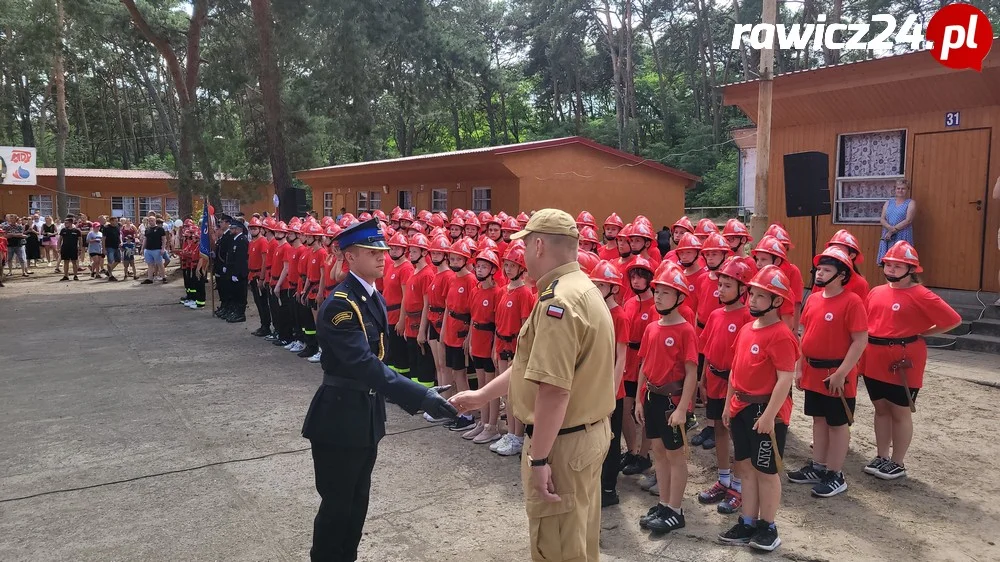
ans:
(561, 386)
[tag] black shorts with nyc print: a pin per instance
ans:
(757, 447)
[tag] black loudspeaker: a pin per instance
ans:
(807, 184)
(292, 203)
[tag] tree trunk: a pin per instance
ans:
(270, 81)
(162, 115)
(24, 97)
(62, 124)
(84, 128)
(43, 145)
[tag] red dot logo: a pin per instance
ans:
(962, 36)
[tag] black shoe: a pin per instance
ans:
(146, 282)
(627, 459)
(740, 533)
(309, 351)
(699, 439)
(64, 278)
(640, 465)
(766, 537)
(608, 498)
(463, 424)
(808, 474)
(220, 311)
(833, 483)
(650, 515)
(271, 337)
(666, 520)
(280, 342)
(260, 332)
(236, 318)
(890, 470)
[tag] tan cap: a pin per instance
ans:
(549, 221)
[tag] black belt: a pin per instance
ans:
(892, 341)
(634, 345)
(436, 308)
(330, 287)
(416, 314)
(459, 316)
(391, 307)
(724, 373)
(824, 363)
(463, 334)
(349, 384)
(507, 339)
(700, 324)
(530, 428)
(254, 270)
(487, 326)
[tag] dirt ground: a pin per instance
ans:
(136, 429)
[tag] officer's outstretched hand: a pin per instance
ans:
(436, 405)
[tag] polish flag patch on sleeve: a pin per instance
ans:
(554, 311)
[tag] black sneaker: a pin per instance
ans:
(874, 465)
(833, 483)
(650, 515)
(608, 498)
(64, 278)
(280, 342)
(890, 470)
(463, 424)
(700, 438)
(270, 337)
(740, 533)
(666, 520)
(766, 537)
(309, 351)
(147, 282)
(76, 278)
(808, 474)
(639, 465)
(627, 459)
(260, 332)
(236, 318)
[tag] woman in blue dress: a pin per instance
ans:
(897, 219)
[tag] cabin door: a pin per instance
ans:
(950, 185)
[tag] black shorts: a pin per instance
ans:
(878, 390)
(829, 407)
(397, 355)
(631, 388)
(701, 365)
(483, 363)
(714, 408)
(96, 254)
(313, 305)
(433, 334)
(70, 254)
(421, 361)
(656, 411)
(454, 358)
(757, 447)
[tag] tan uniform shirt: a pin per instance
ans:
(567, 341)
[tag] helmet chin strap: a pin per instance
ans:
(688, 264)
(738, 298)
(666, 311)
(759, 313)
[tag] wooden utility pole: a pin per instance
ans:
(759, 220)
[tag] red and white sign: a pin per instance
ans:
(17, 165)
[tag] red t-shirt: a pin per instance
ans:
(694, 282)
(436, 296)
(277, 259)
(316, 260)
(828, 324)
(717, 339)
(272, 247)
(413, 302)
(257, 255)
(621, 322)
(293, 257)
(900, 313)
(796, 285)
(513, 308)
(640, 314)
(393, 281)
(665, 352)
(857, 285)
(483, 309)
(708, 297)
(609, 253)
(458, 301)
(758, 354)
(654, 255)
(302, 262)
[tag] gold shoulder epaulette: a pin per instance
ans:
(549, 291)
(340, 294)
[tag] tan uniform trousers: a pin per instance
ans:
(569, 530)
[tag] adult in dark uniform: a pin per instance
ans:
(237, 271)
(222, 282)
(346, 419)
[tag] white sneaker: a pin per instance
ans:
(297, 346)
(191, 304)
(316, 358)
(512, 448)
(501, 443)
(290, 345)
(431, 419)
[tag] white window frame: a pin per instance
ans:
(439, 200)
(404, 196)
(126, 204)
(147, 204)
(171, 206)
(328, 204)
(44, 204)
(73, 205)
(362, 201)
(841, 181)
(374, 200)
(482, 199)
(230, 206)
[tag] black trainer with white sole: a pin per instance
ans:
(833, 483)
(666, 520)
(890, 470)
(651, 514)
(766, 537)
(740, 533)
(808, 474)
(873, 466)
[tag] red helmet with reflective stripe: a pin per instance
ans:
(614, 220)
(457, 221)
(846, 239)
(313, 229)
(770, 245)
(672, 276)
(684, 223)
(254, 221)
(781, 234)
(406, 215)
(461, 248)
(522, 218)
(689, 242)
(419, 241)
(606, 272)
(642, 230)
(771, 279)
(398, 240)
(585, 219)
(738, 269)
(489, 256)
(734, 227)
(903, 252)
(836, 253)
(639, 262)
(515, 254)
(705, 227)
(440, 244)
(587, 234)
(333, 231)
(715, 242)
(510, 225)
(587, 260)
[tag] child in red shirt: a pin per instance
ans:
(849, 244)
(280, 302)
(716, 343)
(638, 310)
(439, 248)
(758, 408)
(834, 337)
(456, 323)
(900, 315)
(612, 226)
(479, 342)
(414, 309)
(259, 243)
(609, 282)
(770, 251)
(669, 372)
(309, 264)
(397, 272)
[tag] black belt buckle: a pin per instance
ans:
(530, 428)
(634, 345)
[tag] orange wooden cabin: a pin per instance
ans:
(926, 123)
(572, 174)
(123, 193)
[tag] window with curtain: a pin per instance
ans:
(123, 207)
(481, 199)
(439, 200)
(42, 204)
(868, 165)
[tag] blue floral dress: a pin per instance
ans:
(895, 214)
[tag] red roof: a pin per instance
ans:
(108, 173)
(520, 147)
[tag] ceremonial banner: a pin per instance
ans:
(17, 165)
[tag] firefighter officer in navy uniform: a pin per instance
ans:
(237, 270)
(346, 418)
(222, 281)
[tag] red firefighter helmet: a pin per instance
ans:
(903, 252)
(280, 226)
(781, 234)
(684, 223)
(333, 231)
(472, 220)
(641, 219)
(487, 244)
(705, 227)
(587, 234)
(510, 224)
(485, 218)
(515, 254)
(406, 215)
(836, 253)
(586, 219)
(614, 220)
(735, 227)
(639, 263)
(737, 269)
(419, 241)
(461, 248)
(770, 245)
(458, 212)
(715, 242)
(689, 242)
(440, 244)
(489, 256)
(771, 279)
(587, 260)
(522, 218)
(436, 221)
(398, 240)
(380, 215)
(417, 225)
(313, 229)
(606, 272)
(642, 230)
(254, 221)
(672, 276)
(845, 238)
(457, 221)
(365, 216)
(396, 213)
(470, 215)
(424, 215)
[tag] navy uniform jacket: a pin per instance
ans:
(238, 257)
(222, 247)
(348, 410)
